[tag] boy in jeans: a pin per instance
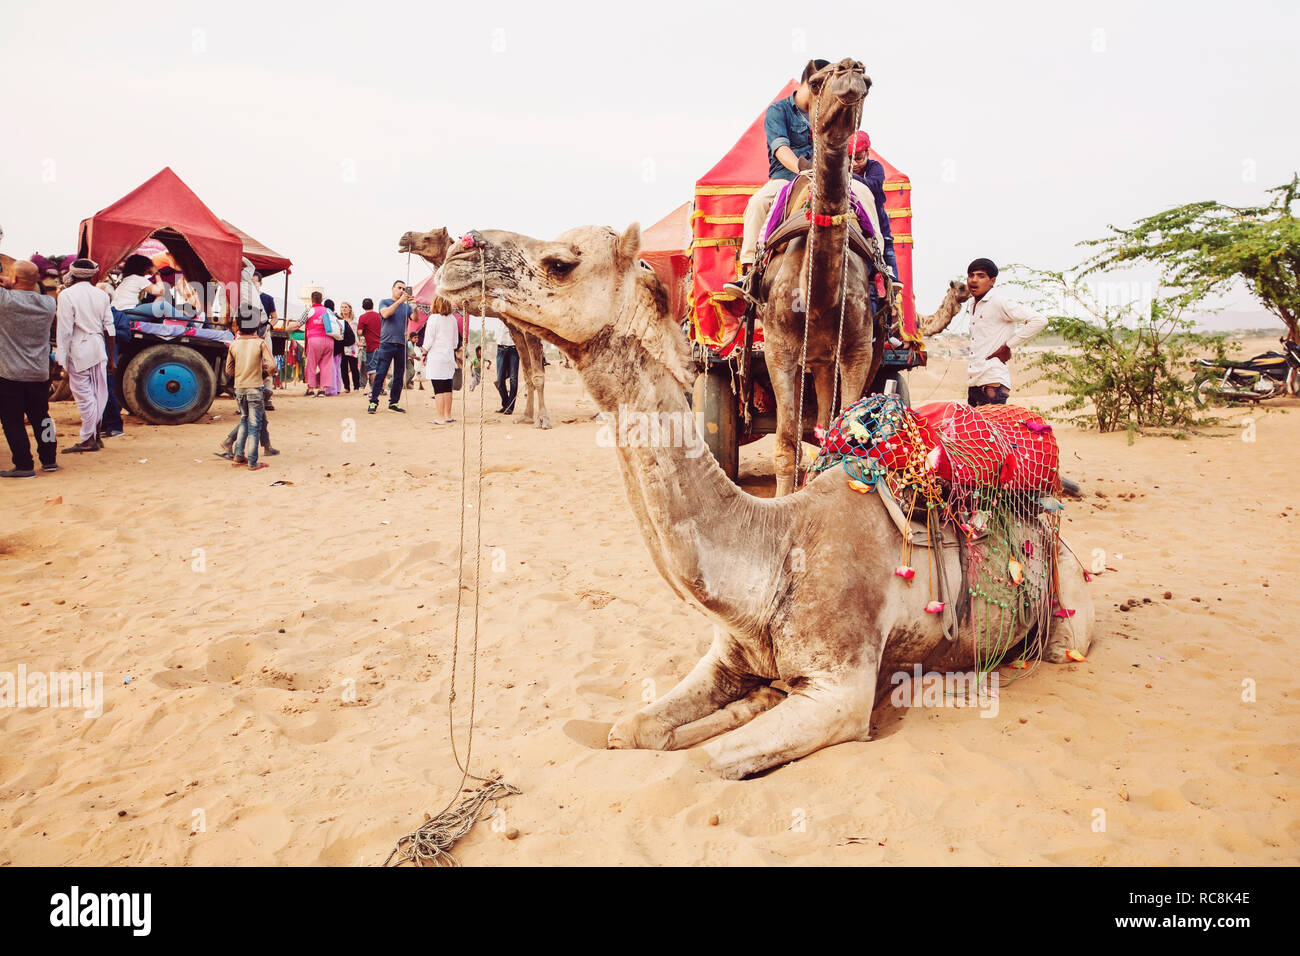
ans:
(247, 363)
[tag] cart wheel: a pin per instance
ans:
(169, 385)
(719, 417)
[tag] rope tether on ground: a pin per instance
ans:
(431, 843)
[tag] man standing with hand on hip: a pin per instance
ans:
(997, 325)
(85, 349)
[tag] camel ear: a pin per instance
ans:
(629, 244)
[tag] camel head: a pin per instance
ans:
(430, 246)
(838, 90)
(582, 291)
(957, 289)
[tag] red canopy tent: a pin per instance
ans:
(717, 225)
(666, 245)
(165, 208)
(264, 259)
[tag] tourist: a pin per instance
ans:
(998, 323)
(394, 314)
(368, 327)
(789, 137)
(319, 346)
(507, 370)
(351, 375)
(26, 317)
(253, 315)
(871, 173)
(248, 363)
(85, 348)
(442, 355)
(336, 334)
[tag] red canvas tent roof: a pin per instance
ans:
(166, 208)
(666, 245)
(264, 259)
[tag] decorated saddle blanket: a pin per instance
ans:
(990, 447)
(798, 188)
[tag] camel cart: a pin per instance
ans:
(733, 393)
(171, 368)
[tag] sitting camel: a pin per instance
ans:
(938, 320)
(802, 587)
(432, 246)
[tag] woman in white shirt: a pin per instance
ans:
(441, 356)
(136, 281)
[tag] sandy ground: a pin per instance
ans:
(288, 651)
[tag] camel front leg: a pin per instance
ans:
(785, 391)
(736, 714)
(820, 711)
(525, 353)
(537, 377)
(710, 685)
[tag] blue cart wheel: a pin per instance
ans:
(169, 384)
(172, 387)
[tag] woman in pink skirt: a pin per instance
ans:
(319, 347)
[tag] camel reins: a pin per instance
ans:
(431, 843)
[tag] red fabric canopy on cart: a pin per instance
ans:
(164, 207)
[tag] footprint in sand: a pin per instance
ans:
(592, 734)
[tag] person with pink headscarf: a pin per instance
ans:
(319, 346)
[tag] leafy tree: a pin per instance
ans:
(1204, 246)
(1122, 365)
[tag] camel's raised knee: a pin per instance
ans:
(640, 732)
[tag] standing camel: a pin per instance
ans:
(800, 290)
(938, 320)
(432, 248)
(802, 587)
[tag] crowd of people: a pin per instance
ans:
(74, 337)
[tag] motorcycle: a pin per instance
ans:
(1267, 375)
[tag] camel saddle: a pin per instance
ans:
(797, 222)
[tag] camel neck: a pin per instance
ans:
(690, 513)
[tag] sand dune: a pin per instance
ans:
(288, 651)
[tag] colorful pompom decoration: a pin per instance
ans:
(1075, 655)
(1015, 571)
(934, 607)
(1063, 612)
(904, 572)
(859, 487)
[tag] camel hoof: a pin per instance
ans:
(638, 732)
(523, 419)
(543, 420)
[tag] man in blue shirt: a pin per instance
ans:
(394, 314)
(789, 134)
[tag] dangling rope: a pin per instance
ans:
(431, 844)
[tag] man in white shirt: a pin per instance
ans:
(997, 325)
(85, 348)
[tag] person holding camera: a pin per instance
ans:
(394, 314)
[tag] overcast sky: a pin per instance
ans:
(326, 134)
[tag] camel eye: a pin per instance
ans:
(559, 267)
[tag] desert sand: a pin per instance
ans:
(288, 651)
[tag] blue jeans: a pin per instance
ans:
(508, 376)
(112, 418)
(252, 415)
(394, 355)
